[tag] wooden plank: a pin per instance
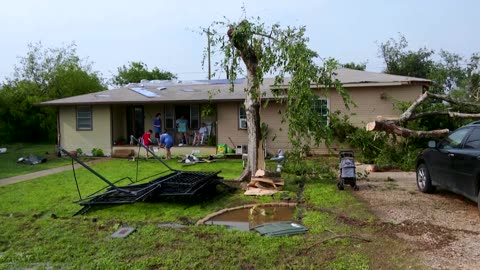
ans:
(260, 192)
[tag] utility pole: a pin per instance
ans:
(208, 54)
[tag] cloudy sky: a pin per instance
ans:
(164, 33)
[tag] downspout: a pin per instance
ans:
(59, 134)
(112, 140)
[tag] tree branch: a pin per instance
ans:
(450, 100)
(450, 114)
(406, 115)
(336, 236)
(265, 35)
(392, 125)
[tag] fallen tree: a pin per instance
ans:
(396, 125)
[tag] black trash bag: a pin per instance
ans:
(31, 159)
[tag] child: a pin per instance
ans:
(166, 141)
(147, 141)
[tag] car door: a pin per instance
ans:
(441, 161)
(466, 164)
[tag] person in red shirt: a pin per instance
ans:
(146, 139)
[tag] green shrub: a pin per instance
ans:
(384, 150)
(97, 152)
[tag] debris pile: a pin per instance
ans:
(261, 184)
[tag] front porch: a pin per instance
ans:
(176, 150)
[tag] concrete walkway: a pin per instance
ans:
(30, 176)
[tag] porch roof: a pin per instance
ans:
(217, 91)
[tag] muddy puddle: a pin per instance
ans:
(246, 218)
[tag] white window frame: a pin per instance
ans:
(242, 118)
(84, 117)
(327, 105)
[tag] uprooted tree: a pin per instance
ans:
(264, 50)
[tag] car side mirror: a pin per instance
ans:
(432, 144)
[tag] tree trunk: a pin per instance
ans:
(252, 100)
(252, 108)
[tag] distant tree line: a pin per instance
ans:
(452, 100)
(53, 73)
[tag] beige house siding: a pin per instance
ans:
(227, 119)
(276, 129)
(109, 122)
(373, 101)
(99, 137)
(228, 126)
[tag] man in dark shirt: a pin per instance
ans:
(157, 126)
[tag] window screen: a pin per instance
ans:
(84, 118)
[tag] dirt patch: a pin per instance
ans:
(350, 221)
(424, 235)
(442, 228)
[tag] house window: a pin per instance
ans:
(321, 107)
(169, 116)
(194, 116)
(242, 117)
(84, 118)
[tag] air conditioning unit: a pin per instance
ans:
(243, 123)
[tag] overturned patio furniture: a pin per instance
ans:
(167, 183)
(31, 159)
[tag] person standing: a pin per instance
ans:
(146, 140)
(157, 126)
(166, 141)
(182, 129)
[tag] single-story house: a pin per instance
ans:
(107, 119)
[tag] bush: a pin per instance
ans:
(97, 152)
(384, 150)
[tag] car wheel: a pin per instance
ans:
(424, 182)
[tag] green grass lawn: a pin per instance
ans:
(38, 230)
(8, 161)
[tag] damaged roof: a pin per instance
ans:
(216, 90)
